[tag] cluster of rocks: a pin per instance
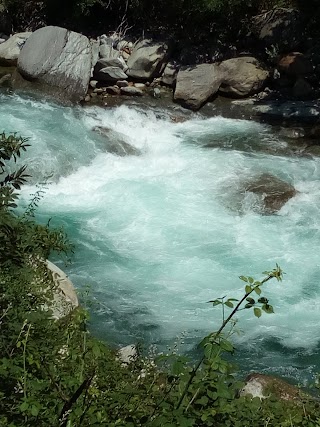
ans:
(71, 66)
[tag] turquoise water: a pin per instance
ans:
(157, 235)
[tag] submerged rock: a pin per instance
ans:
(272, 191)
(115, 144)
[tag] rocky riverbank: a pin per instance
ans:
(280, 83)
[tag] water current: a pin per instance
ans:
(157, 235)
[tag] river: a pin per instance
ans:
(158, 235)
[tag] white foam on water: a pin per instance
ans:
(154, 232)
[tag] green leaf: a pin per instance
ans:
(229, 304)
(248, 289)
(250, 300)
(24, 406)
(263, 300)
(244, 278)
(34, 410)
(215, 302)
(226, 346)
(202, 401)
(257, 290)
(250, 280)
(257, 312)
(267, 308)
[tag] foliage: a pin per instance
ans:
(54, 373)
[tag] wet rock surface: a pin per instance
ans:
(115, 144)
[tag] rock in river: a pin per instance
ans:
(115, 143)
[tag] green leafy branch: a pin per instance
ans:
(214, 344)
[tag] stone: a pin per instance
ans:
(95, 53)
(131, 91)
(5, 81)
(295, 64)
(110, 62)
(140, 85)
(93, 83)
(272, 192)
(302, 89)
(65, 297)
(169, 74)
(98, 90)
(110, 74)
(146, 59)
(125, 55)
(122, 83)
(59, 60)
(292, 133)
(114, 143)
(243, 76)
(156, 92)
(10, 49)
(196, 84)
(264, 386)
(113, 90)
(107, 51)
(128, 354)
(278, 27)
(87, 98)
(281, 111)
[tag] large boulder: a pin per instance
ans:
(242, 76)
(65, 298)
(169, 74)
(147, 59)
(278, 28)
(265, 386)
(10, 49)
(295, 64)
(196, 84)
(110, 70)
(272, 193)
(57, 59)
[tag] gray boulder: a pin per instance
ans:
(147, 59)
(65, 298)
(243, 76)
(59, 60)
(110, 74)
(10, 49)
(107, 51)
(115, 144)
(169, 74)
(196, 84)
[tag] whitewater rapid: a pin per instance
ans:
(155, 237)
